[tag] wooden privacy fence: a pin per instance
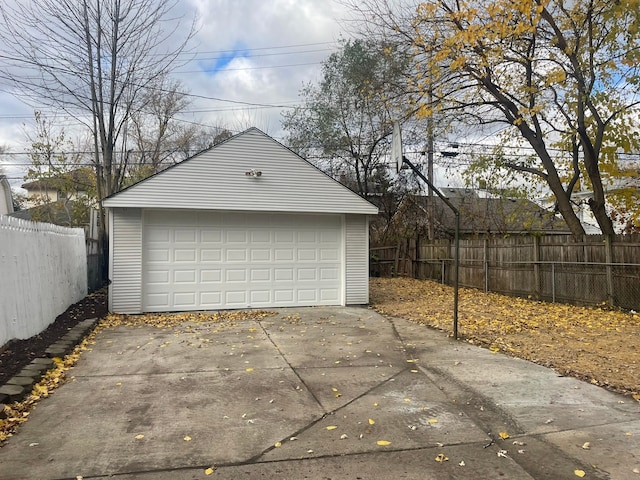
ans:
(43, 270)
(554, 268)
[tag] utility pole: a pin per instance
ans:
(430, 147)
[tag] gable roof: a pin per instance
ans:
(80, 178)
(479, 215)
(220, 179)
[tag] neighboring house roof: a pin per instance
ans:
(6, 199)
(488, 215)
(81, 178)
(247, 172)
(61, 212)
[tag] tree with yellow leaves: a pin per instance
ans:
(561, 77)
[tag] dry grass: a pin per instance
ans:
(594, 344)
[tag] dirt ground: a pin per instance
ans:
(18, 353)
(597, 345)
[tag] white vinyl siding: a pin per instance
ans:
(357, 259)
(125, 270)
(216, 180)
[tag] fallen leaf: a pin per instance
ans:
(442, 458)
(414, 371)
(371, 422)
(432, 421)
(504, 435)
(187, 438)
(383, 443)
(332, 427)
(277, 444)
(586, 446)
(375, 404)
(344, 436)
(408, 400)
(579, 473)
(209, 471)
(139, 436)
(249, 370)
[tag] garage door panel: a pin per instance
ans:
(260, 275)
(185, 235)
(211, 236)
(158, 277)
(236, 298)
(210, 255)
(329, 295)
(283, 255)
(159, 255)
(185, 300)
(236, 237)
(260, 255)
(184, 276)
(330, 274)
(236, 255)
(307, 295)
(260, 297)
(210, 300)
(307, 255)
(211, 276)
(184, 255)
(275, 260)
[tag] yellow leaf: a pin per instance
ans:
(277, 444)
(187, 438)
(249, 369)
(332, 427)
(414, 371)
(371, 421)
(411, 361)
(408, 400)
(334, 389)
(383, 443)
(432, 420)
(375, 404)
(579, 473)
(209, 471)
(504, 435)
(139, 437)
(441, 458)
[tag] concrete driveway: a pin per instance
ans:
(319, 393)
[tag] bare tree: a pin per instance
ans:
(560, 77)
(94, 60)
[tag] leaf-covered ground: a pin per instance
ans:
(594, 344)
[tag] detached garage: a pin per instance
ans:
(245, 224)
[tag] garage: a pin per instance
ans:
(245, 224)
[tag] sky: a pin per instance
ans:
(247, 64)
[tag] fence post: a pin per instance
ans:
(608, 248)
(486, 264)
(536, 268)
(396, 262)
(553, 282)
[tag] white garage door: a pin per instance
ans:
(206, 260)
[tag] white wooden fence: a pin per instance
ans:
(43, 270)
